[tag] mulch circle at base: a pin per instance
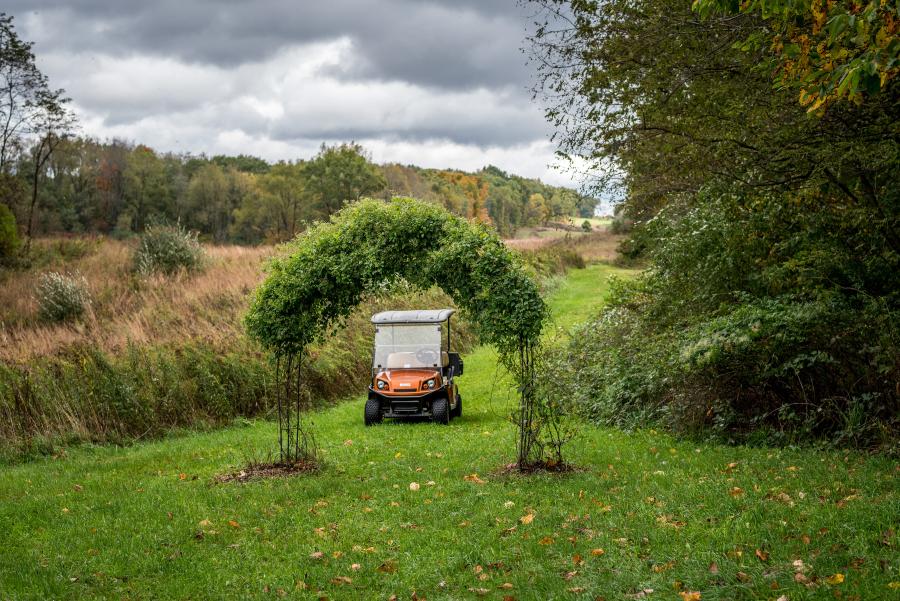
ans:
(512, 469)
(268, 470)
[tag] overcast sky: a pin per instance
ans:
(433, 83)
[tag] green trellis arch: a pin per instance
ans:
(326, 271)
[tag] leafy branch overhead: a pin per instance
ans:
(825, 50)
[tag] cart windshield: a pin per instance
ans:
(407, 346)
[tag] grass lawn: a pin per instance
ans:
(646, 512)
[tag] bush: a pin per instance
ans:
(62, 297)
(758, 321)
(586, 226)
(9, 237)
(167, 249)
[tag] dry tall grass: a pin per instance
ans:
(127, 308)
(599, 246)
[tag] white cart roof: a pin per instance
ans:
(421, 316)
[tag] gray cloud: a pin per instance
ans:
(446, 44)
(441, 82)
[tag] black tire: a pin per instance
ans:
(373, 412)
(458, 411)
(440, 411)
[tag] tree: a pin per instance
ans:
(662, 101)
(338, 174)
(209, 202)
(146, 189)
(53, 123)
(286, 185)
(9, 235)
(22, 86)
(764, 189)
(475, 192)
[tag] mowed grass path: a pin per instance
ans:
(646, 512)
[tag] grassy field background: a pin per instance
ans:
(647, 516)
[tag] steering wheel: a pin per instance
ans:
(426, 356)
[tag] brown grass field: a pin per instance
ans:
(128, 309)
(125, 308)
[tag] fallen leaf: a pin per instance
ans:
(835, 579)
(355, 567)
(527, 519)
(576, 589)
(341, 580)
(474, 478)
(506, 586)
(182, 476)
(337, 554)
(388, 567)
(662, 567)
(743, 577)
(316, 555)
(547, 540)
(348, 443)
(690, 595)
(736, 491)
(713, 568)
(762, 555)
(577, 559)
(640, 594)
(597, 552)
(805, 539)
(465, 523)
(782, 598)
(398, 455)
(233, 524)
(205, 523)
(77, 488)
(478, 569)
(413, 486)
(509, 504)
(479, 591)
(570, 575)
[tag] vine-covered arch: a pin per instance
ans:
(326, 272)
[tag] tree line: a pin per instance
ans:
(116, 188)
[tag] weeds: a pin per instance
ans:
(168, 249)
(62, 297)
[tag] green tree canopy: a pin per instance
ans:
(339, 174)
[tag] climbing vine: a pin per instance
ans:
(326, 272)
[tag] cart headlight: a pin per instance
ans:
(381, 384)
(430, 383)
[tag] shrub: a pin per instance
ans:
(586, 226)
(167, 249)
(62, 297)
(9, 237)
(758, 321)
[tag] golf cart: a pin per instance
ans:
(413, 371)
